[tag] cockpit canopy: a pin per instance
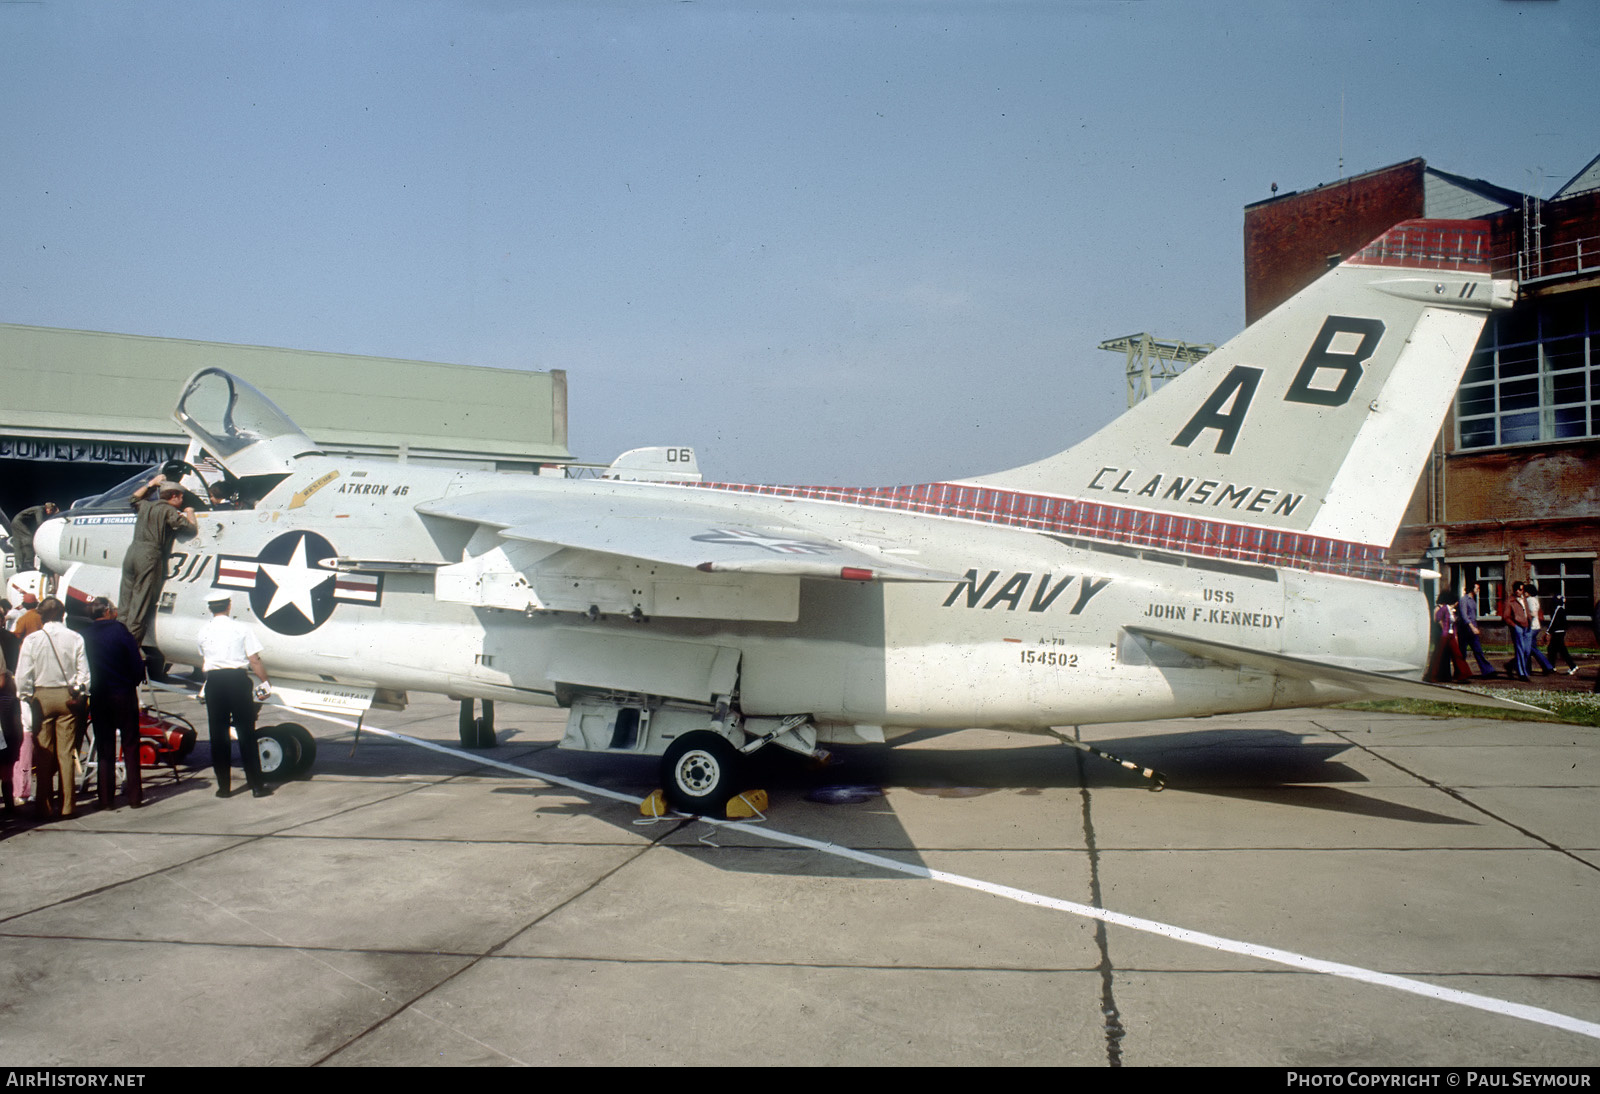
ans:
(243, 429)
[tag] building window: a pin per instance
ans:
(1535, 376)
(1491, 581)
(1573, 576)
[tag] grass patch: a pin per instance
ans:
(1577, 708)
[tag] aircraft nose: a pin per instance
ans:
(47, 543)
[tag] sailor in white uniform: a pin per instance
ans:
(229, 651)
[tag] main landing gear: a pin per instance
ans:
(699, 773)
(476, 732)
(287, 751)
(704, 748)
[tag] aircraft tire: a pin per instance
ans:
(279, 751)
(698, 773)
(307, 744)
(467, 725)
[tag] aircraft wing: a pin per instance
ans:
(678, 532)
(1376, 684)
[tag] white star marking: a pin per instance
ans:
(295, 583)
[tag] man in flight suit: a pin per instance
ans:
(23, 528)
(144, 567)
(23, 525)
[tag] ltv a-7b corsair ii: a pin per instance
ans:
(1218, 548)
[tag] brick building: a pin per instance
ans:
(1513, 489)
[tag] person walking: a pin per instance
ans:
(1535, 628)
(1514, 610)
(53, 674)
(1447, 659)
(1468, 634)
(229, 651)
(1557, 630)
(116, 669)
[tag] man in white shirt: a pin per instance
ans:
(229, 650)
(50, 668)
(1530, 597)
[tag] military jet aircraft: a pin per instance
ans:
(1218, 548)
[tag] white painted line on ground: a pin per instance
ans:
(1022, 896)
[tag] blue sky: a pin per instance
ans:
(820, 242)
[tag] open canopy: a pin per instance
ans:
(246, 431)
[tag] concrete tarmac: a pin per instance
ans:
(407, 906)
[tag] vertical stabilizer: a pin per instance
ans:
(1319, 417)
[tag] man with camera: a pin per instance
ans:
(53, 674)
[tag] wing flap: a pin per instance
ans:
(1364, 681)
(678, 532)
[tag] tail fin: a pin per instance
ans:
(655, 465)
(1319, 417)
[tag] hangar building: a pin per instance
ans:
(81, 411)
(1512, 492)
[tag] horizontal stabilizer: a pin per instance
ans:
(1375, 684)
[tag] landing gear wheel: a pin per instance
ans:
(698, 773)
(279, 752)
(476, 732)
(486, 737)
(306, 743)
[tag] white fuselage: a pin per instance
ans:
(1032, 637)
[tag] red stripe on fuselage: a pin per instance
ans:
(1176, 532)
